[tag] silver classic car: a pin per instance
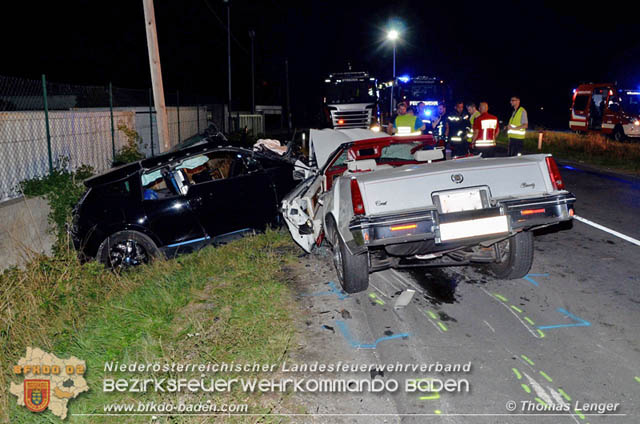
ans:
(385, 202)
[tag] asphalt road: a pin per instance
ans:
(567, 333)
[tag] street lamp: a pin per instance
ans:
(392, 36)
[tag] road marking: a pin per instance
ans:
(515, 308)
(432, 315)
(564, 395)
(531, 280)
(527, 360)
(537, 334)
(342, 326)
(526, 388)
(544, 374)
(638, 379)
(608, 230)
(333, 290)
(529, 320)
(504, 299)
(441, 325)
(376, 299)
(379, 291)
(489, 325)
(406, 281)
(540, 392)
(517, 373)
(391, 283)
(580, 322)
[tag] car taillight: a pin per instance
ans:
(356, 198)
(554, 173)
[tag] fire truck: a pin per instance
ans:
(605, 109)
(351, 101)
(431, 91)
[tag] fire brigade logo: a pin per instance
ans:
(36, 395)
(49, 382)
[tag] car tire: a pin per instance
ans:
(126, 249)
(516, 257)
(618, 134)
(353, 270)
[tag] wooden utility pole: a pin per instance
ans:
(156, 76)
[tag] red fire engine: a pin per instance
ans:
(606, 109)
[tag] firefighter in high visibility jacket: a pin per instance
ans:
(517, 128)
(473, 114)
(485, 132)
(457, 126)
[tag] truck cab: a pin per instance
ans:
(605, 109)
(351, 101)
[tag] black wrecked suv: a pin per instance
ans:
(178, 202)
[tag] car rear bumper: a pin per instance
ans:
(426, 225)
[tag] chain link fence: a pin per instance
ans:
(45, 125)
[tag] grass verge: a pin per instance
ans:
(593, 149)
(226, 304)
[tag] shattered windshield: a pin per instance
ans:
(399, 151)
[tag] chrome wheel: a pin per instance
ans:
(127, 253)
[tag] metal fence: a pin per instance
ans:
(43, 124)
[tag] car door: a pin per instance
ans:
(258, 190)
(216, 194)
(168, 214)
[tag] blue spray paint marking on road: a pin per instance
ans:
(333, 290)
(531, 280)
(347, 335)
(580, 322)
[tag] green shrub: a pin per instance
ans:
(129, 152)
(62, 188)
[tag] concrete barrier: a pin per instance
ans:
(24, 230)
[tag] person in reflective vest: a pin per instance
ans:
(405, 123)
(457, 126)
(473, 114)
(485, 132)
(517, 129)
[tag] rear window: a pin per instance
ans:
(581, 101)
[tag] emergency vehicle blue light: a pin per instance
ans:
(404, 78)
(427, 112)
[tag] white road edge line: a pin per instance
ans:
(608, 230)
(537, 336)
(378, 290)
(489, 325)
(406, 281)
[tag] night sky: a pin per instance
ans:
(485, 50)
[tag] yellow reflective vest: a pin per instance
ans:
(516, 121)
(471, 119)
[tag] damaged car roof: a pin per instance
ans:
(164, 159)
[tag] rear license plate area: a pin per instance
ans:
(461, 200)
